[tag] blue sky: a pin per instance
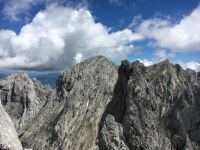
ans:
(53, 35)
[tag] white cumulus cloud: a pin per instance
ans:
(179, 37)
(60, 36)
(162, 54)
(192, 65)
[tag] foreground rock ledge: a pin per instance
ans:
(8, 136)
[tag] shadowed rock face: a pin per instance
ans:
(160, 109)
(98, 105)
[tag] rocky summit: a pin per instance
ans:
(98, 105)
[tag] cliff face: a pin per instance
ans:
(22, 98)
(98, 105)
(87, 88)
(160, 109)
(71, 120)
(69, 117)
(8, 136)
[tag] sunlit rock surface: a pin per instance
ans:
(98, 105)
(8, 136)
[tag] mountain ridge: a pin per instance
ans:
(99, 105)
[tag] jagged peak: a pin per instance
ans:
(166, 61)
(128, 67)
(164, 65)
(98, 58)
(130, 63)
(96, 65)
(138, 63)
(92, 60)
(125, 63)
(21, 75)
(191, 71)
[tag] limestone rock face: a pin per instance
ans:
(8, 136)
(87, 89)
(22, 98)
(100, 106)
(156, 108)
(71, 119)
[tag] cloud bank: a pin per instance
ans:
(169, 38)
(60, 36)
(192, 65)
(183, 36)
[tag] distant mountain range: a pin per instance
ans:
(2, 75)
(44, 77)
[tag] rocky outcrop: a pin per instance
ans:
(22, 98)
(100, 106)
(8, 136)
(87, 89)
(71, 120)
(160, 109)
